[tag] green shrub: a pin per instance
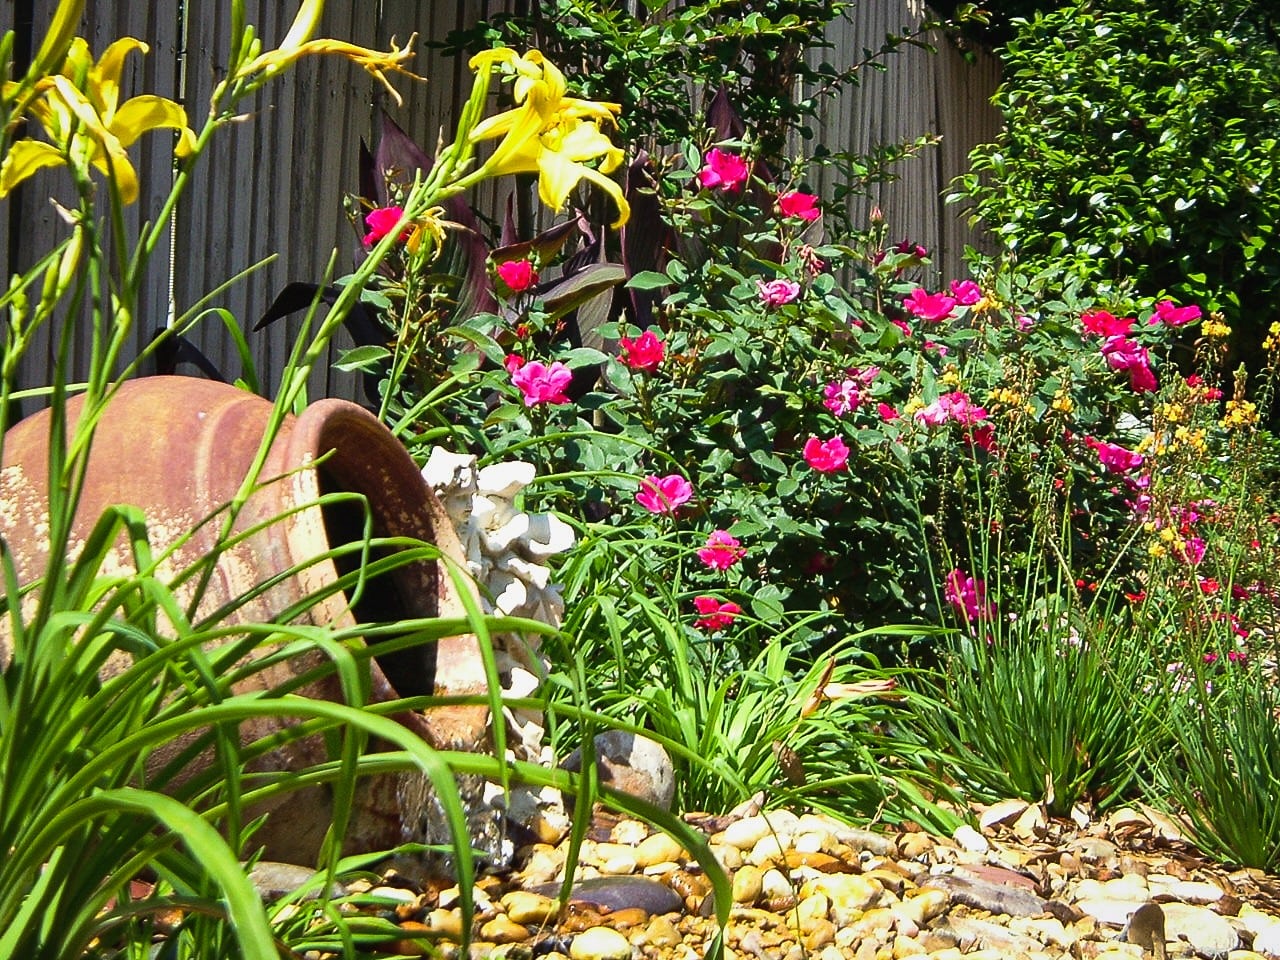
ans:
(1139, 149)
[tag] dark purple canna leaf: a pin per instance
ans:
(645, 237)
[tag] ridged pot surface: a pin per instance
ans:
(179, 448)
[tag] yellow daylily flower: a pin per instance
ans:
(81, 113)
(296, 44)
(548, 133)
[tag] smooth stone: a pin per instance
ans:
(984, 895)
(445, 923)
(768, 850)
(1006, 811)
(1188, 891)
(1209, 933)
(914, 846)
(970, 839)
(658, 848)
(1267, 940)
(776, 884)
(502, 929)
(850, 895)
(274, 880)
(1114, 912)
(633, 833)
(608, 894)
(600, 943)
(661, 932)
(1245, 955)
(748, 884)
(747, 832)
(524, 907)
(635, 765)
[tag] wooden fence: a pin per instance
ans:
(273, 185)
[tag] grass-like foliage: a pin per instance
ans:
(1220, 764)
(1042, 708)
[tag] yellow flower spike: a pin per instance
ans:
(86, 124)
(58, 40)
(548, 133)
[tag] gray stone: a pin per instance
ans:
(635, 765)
(274, 881)
(985, 895)
(608, 894)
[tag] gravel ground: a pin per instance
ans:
(1020, 886)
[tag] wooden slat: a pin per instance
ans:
(275, 182)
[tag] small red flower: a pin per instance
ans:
(381, 221)
(715, 615)
(645, 352)
(518, 275)
(797, 204)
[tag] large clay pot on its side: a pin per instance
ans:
(179, 448)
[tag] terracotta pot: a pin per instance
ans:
(179, 448)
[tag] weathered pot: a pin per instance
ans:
(179, 448)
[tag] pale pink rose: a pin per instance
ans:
(776, 293)
(664, 494)
(542, 384)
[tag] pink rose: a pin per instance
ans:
(1114, 457)
(645, 352)
(542, 384)
(1126, 355)
(776, 293)
(722, 551)
(801, 205)
(1104, 324)
(968, 596)
(1174, 316)
(951, 406)
(664, 494)
(381, 221)
(966, 292)
(841, 396)
(723, 171)
(826, 456)
(934, 307)
(518, 275)
(887, 413)
(903, 326)
(906, 246)
(714, 614)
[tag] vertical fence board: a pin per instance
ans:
(273, 182)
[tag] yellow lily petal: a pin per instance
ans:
(23, 159)
(304, 24)
(147, 112)
(377, 63)
(558, 175)
(104, 78)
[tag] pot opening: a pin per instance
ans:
(393, 595)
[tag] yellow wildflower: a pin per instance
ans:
(1172, 412)
(1239, 414)
(1006, 395)
(81, 113)
(548, 133)
(1157, 550)
(911, 406)
(950, 376)
(1214, 327)
(1062, 402)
